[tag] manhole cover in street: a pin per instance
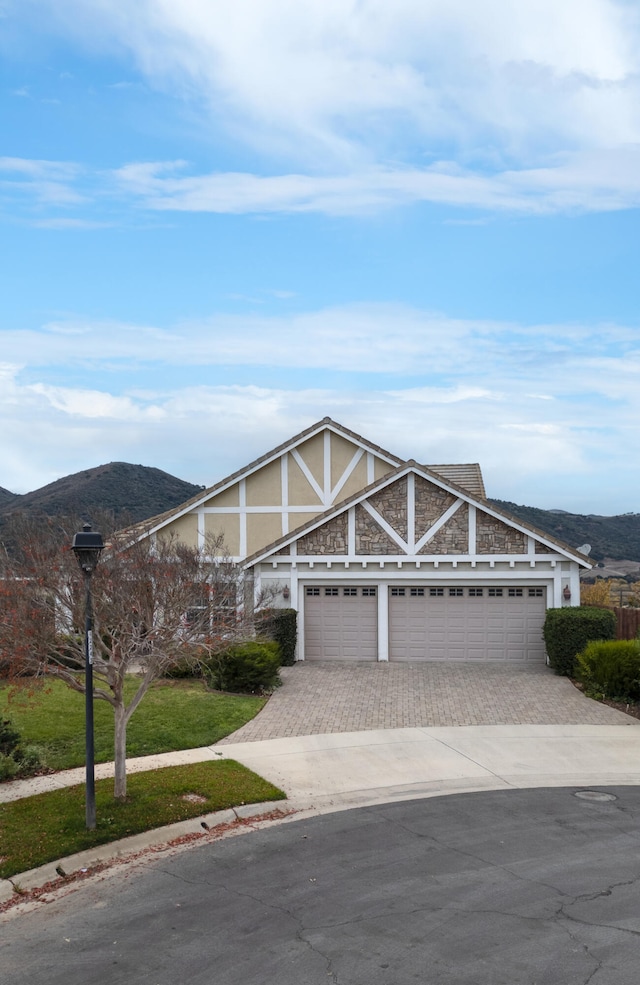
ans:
(595, 795)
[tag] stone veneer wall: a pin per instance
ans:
(370, 538)
(543, 549)
(495, 537)
(431, 503)
(391, 503)
(453, 538)
(331, 538)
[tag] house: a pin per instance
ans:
(382, 558)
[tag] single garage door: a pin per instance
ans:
(469, 623)
(341, 623)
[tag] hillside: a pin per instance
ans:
(616, 537)
(136, 492)
(6, 497)
(133, 492)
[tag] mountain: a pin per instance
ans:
(131, 492)
(6, 497)
(616, 537)
(136, 492)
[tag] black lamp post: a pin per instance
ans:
(87, 546)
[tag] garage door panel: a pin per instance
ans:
(506, 625)
(340, 626)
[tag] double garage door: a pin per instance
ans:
(426, 623)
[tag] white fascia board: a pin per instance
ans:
(517, 566)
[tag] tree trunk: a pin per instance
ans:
(120, 750)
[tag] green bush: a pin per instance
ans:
(611, 669)
(251, 667)
(280, 625)
(16, 761)
(567, 631)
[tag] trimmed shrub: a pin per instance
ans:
(280, 625)
(611, 669)
(567, 631)
(16, 761)
(251, 667)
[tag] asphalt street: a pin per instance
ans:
(521, 887)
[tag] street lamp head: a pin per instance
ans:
(87, 545)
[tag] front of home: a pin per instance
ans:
(383, 560)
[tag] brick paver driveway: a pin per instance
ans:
(317, 698)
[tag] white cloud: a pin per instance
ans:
(357, 82)
(593, 181)
(354, 339)
(48, 182)
(551, 416)
(579, 182)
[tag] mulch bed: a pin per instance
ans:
(626, 707)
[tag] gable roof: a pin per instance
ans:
(150, 526)
(467, 477)
(432, 476)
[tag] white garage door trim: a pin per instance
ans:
(341, 622)
(466, 623)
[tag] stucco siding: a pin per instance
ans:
(262, 529)
(380, 469)
(301, 493)
(312, 453)
(356, 481)
(264, 487)
(228, 497)
(184, 529)
(342, 451)
(227, 524)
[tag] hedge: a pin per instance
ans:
(279, 625)
(611, 669)
(567, 631)
(251, 667)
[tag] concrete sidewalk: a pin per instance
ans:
(322, 773)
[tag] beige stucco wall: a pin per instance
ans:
(227, 524)
(300, 491)
(381, 468)
(264, 487)
(356, 481)
(184, 529)
(342, 451)
(262, 529)
(228, 497)
(312, 451)
(299, 519)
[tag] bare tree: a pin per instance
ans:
(154, 606)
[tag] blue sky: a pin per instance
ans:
(223, 220)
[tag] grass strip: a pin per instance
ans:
(50, 826)
(172, 715)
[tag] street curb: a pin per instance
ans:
(47, 877)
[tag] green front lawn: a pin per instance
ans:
(172, 715)
(50, 826)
